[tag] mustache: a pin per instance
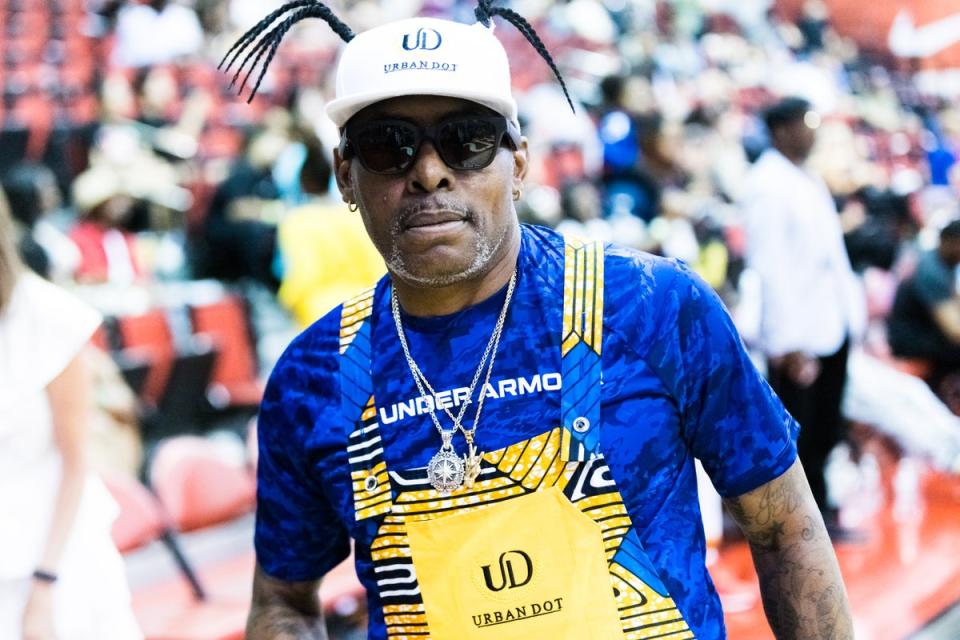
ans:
(407, 212)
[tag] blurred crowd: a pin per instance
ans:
(139, 178)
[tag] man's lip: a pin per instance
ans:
(432, 218)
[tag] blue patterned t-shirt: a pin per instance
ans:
(677, 385)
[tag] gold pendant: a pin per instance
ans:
(471, 463)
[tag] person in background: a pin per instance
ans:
(32, 193)
(925, 320)
(627, 188)
(114, 442)
(239, 234)
(617, 129)
(326, 253)
(659, 167)
(155, 32)
(107, 248)
(811, 303)
(61, 576)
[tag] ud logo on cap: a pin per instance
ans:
(424, 40)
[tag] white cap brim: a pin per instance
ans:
(447, 59)
(342, 109)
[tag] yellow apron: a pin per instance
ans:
(541, 546)
(492, 573)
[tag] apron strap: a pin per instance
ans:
(372, 494)
(581, 345)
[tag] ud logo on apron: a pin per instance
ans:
(538, 586)
(541, 546)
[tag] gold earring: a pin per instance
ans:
(352, 207)
(516, 194)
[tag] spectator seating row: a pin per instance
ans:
(880, 288)
(196, 486)
(46, 54)
(188, 365)
(192, 487)
(48, 78)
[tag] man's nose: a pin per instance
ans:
(429, 172)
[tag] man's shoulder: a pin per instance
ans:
(617, 257)
(322, 332)
(932, 274)
(929, 265)
(630, 272)
(643, 273)
(644, 292)
(543, 241)
(767, 173)
(313, 353)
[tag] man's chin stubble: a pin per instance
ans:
(483, 254)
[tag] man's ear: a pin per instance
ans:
(341, 169)
(521, 164)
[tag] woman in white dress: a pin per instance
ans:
(61, 577)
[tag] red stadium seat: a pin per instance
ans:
(29, 46)
(28, 23)
(220, 142)
(199, 486)
(83, 109)
(234, 382)
(78, 72)
(170, 611)
(142, 520)
(36, 112)
(100, 338)
(79, 49)
(150, 335)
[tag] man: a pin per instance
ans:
(452, 420)
(810, 300)
(925, 320)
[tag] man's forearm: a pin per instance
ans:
(800, 582)
(284, 610)
(803, 593)
(275, 622)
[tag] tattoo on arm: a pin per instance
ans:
(800, 582)
(283, 610)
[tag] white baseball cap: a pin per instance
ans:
(423, 56)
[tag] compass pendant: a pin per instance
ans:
(445, 469)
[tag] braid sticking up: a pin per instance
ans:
(486, 10)
(270, 42)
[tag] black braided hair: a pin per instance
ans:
(270, 42)
(486, 10)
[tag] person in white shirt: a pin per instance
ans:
(156, 32)
(811, 301)
(61, 575)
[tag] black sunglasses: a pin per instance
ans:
(465, 143)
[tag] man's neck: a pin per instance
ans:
(440, 301)
(793, 158)
(946, 258)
